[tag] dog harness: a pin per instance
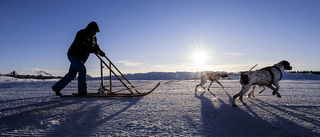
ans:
(279, 71)
(271, 73)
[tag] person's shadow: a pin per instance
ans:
(55, 118)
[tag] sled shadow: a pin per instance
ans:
(25, 114)
(60, 116)
(88, 121)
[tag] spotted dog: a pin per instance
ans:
(268, 77)
(212, 77)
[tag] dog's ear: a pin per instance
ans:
(286, 65)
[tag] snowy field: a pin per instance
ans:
(30, 108)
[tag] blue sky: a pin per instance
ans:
(162, 35)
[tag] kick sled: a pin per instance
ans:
(124, 89)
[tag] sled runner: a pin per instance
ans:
(113, 95)
(126, 89)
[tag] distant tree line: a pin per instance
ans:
(306, 72)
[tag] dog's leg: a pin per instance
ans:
(240, 98)
(234, 98)
(196, 87)
(251, 92)
(243, 90)
(210, 86)
(271, 87)
(220, 84)
(203, 87)
(264, 88)
(203, 81)
(276, 90)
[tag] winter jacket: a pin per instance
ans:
(84, 44)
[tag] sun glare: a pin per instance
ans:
(200, 52)
(200, 57)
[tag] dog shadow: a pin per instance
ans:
(220, 118)
(294, 112)
(207, 112)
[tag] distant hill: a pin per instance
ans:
(33, 77)
(159, 76)
(294, 75)
(14, 74)
(188, 75)
(300, 76)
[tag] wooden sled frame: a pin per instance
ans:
(125, 82)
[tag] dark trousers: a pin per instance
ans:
(76, 66)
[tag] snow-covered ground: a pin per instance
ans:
(30, 108)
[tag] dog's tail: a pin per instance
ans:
(226, 76)
(223, 75)
(253, 67)
(241, 72)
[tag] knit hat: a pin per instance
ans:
(93, 26)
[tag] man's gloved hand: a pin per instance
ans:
(102, 53)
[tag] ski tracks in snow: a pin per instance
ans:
(29, 108)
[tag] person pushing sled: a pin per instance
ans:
(84, 43)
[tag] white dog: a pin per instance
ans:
(264, 77)
(212, 77)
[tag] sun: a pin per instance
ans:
(200, 57)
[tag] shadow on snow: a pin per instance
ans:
(53, 119)
(219, 118)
